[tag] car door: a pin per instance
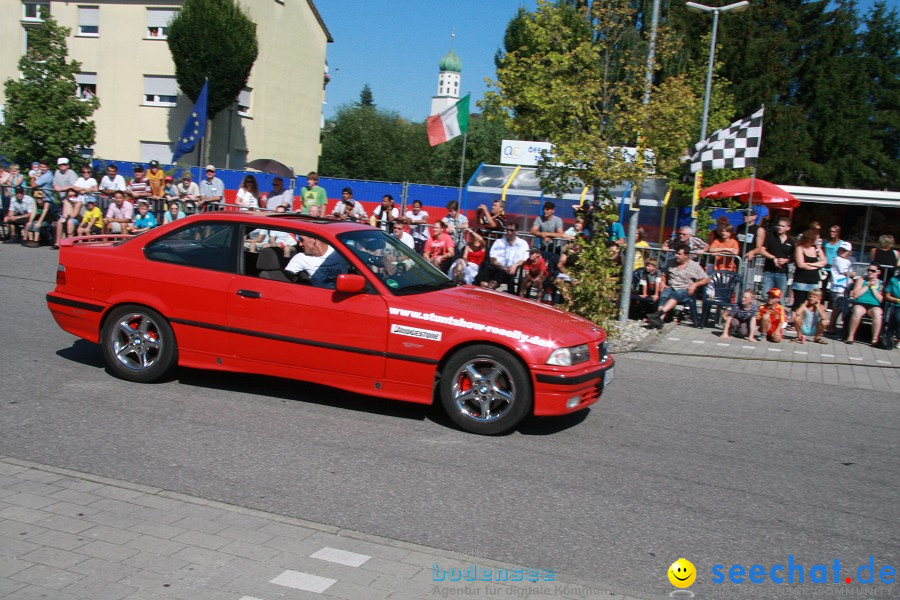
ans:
(310, 330)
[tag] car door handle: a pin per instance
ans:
(249, 294)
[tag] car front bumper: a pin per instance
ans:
(562, 392)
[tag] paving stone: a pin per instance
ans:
(213, 576)
(156, 563)
(160, 530)
(40, 476)
(113, 535)
(68, 509)
(8, 586)
(107, 551)
(103, 569)
(202, 525)
(202, 556)
(59, 539)
(147, 595)
(241, 520)
(116, 506)
(54, 557)
(198, 538)
(74, 483)
(289, 531)
(113, 519)
(152, 514)
(18, 530)
(361, 546)
(161, 546)
(64, 524)
(415, 588)
(392, 567)
(293, 546)
(98, 589)
(246, 535)
(74, 497)
(7, 469)
(209, 513)
(27, 500)
(248, 550)
(47, 577)
(34, 487)
(157, 502)
(351, 591)
(117, 493)
(14, 548)
(10, 565)
(35, 592)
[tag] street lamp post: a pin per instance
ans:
(715, 10)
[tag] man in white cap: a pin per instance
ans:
(64, 178)
(212, 190)
(841, 279)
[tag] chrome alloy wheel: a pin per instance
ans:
(483, 390)
(136, 341)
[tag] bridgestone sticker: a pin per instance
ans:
(422, 334)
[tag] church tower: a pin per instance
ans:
(448, 81)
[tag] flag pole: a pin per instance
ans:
(746, 233)
(462, 166)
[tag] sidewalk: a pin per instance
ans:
(71, 536)
(835, 363)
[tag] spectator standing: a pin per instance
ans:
(418, 224)
(14, 179)
(867, 297)
(741, 319)
(724, 246)
(841, 276)
(747, 230)
(188, 190)
(212, 191)
(248, 194)
(506, 256)
(138, 188)
(313, 195)
(279, 196)
(808, 259)
(778, 249)
(885, 255)
(830, 247)
(44, 181)
(174, 213)
(772, 317)
(810, 318)
(455, 220)
(112, 182)
(119, 214)
(170, 190)
(892, 300)
(399, 232)
(5, 189)
(348, 209)
(548, 226)
(92, 220)
(721, 222)
(385, 214)
(681, 283)
(615, 233)
(86, 184)
(34, 171)
(21, 212)
(157, 180)
(641, 247)
(439, 248)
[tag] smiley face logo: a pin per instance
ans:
(682, 573)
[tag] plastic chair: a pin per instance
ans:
(724, 287)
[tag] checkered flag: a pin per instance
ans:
(734, 147)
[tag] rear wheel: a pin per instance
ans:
(138, 344)
(485, 390)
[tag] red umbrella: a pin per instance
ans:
(763, 192)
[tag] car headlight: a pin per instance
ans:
(566, 357)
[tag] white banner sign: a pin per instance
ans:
(519, 152)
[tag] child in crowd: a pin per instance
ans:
(534, 273)
(92, 220)
(771, 317)
(741, 319)
(840, 280)
(144, 220)
(809, 318)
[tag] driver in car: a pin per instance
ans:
(318, 262)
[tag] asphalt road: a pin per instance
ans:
(718, 468)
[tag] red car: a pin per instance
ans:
(353, 308)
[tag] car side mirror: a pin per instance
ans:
(350, 284)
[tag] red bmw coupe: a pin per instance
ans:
(332, 302)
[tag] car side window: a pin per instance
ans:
(203, 245)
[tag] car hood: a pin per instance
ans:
(503, 310)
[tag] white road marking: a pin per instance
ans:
(774, 349)
(674, 339)
(341, 557)
(722, 344)
(827, 355)
(748, 347)
(697, 342)
(883, 362)
(855, 357)
(304, 581)
(249, 598)
(800, 352)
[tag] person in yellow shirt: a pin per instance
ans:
(156, 179)
(92, 221)
(640, 255)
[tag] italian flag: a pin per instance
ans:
(445, 126)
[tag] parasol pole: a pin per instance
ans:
(749, 211)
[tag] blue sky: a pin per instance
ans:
(395, 47)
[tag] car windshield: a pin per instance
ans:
(393, 262)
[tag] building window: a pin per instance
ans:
(86, 85)
(160, 151)
(158, 22)
(35, 11)
(89, 21)
(243, 102)
(160, 90)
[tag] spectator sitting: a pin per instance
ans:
(641, 247)
(681, 283)
(248, 194)
(493, 220)
(548, 226)
(534, 273)
(44, 181)
(384, 215)
(138, 187)
(92, 220)
(686, 236)
(119, 214)
(721, 222)
(64, 178)
(45, 212)
(170, 190)
(21, 212)
(439, 248)
(34, 171)
(111, 182)
(649, 285)
(506, 256)
(810, 318)
(174, 213)
(615, 233)
(867, 297)
(741, 319)
(144, 221)
(772, 317)
(86, 184)
(892, 298)
(188, 190)
(315, 211)
(71, 215)
(575, 230)
(418, 224)
(724, 246)
(465, 269)
(347, 208)
(841, 275)
(401, 234)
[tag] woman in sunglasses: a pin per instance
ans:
(867, 296)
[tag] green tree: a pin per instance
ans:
(365, 96)
(212, 39)
(44, 117)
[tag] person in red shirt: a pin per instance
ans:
(534, 272)
(439, 248)
(772, 316)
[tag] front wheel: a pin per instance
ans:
(485, 390)
(138, 344)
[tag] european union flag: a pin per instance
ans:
(195, 126)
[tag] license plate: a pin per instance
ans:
(608, 376)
